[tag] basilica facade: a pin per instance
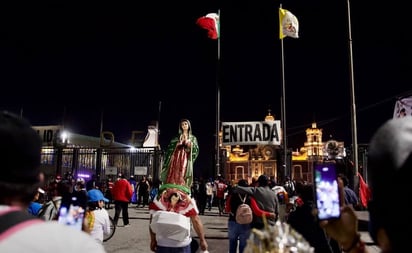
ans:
(250, 161)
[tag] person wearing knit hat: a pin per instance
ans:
(389, 161)
(20, 153)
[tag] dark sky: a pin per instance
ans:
(69, 62)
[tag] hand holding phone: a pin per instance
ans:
(72, 216)
(326, 191)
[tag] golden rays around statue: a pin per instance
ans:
(280, 238)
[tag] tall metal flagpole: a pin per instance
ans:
(101, 121)
(353, 103)
(158, 121)
(283, 107)
(218, 101)
(64, 117)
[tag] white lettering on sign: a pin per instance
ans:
(251, 133)
(48, 133)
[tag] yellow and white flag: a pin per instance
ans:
(403, 107)
(288, 24)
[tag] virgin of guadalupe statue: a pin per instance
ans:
(181, 153)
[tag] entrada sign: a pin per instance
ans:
(251, 133)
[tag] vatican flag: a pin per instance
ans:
(403, 107)
(288, 24)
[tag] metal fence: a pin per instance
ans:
(102, 162)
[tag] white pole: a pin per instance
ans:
(353, 103)
(218, 101)
(283, 116)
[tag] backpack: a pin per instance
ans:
(48, 211)
(244, 214)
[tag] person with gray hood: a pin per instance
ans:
(20, 152)
(389, 160)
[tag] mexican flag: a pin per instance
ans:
(210, 22)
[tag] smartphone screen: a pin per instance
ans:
(326, 191)
(71, 216)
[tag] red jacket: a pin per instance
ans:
(122, 190)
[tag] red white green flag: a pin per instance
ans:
(210, 22)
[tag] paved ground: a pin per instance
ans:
(363, 217)
(136, 237)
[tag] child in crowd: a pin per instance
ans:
(97, 218)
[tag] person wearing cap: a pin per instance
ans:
(20, 153)
(97, 218)
(35, 206)
(389, 163)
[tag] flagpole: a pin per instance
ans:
(214, 33)
(218, 101)
(64, 117)
(283, 107)
(101, 121)
(158, 121)
(353, 103)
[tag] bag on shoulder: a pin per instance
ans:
(48, 211)
(244, 214)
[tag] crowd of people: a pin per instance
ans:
(20, 179)
(389, 158)
(22, 185)
(118, 193)
(38, 205)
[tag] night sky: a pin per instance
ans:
(67, 63)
